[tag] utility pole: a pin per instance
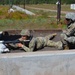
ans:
(58, 11)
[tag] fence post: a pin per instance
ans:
(58, 11)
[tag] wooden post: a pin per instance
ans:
(58, 11)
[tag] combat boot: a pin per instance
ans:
(66, 47)
(51, 36)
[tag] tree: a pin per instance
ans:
(36, 1)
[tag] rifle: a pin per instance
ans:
(14, 41)
(4, 49)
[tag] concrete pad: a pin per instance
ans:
(38, 63)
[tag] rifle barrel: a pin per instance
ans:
(15, 41)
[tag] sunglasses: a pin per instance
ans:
(24, 35)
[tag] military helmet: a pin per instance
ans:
(70, 16)
(25, 32)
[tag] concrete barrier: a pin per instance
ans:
(17, 8)
(38, 63)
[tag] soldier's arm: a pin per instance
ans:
(12, 43)
(31, 46)
(70, 31)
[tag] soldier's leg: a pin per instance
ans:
(50, 36)
(71, 42)
(65, 43)
(57, 45)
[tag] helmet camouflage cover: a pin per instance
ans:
(70, 16)
(25, 32)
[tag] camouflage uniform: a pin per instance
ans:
(38, 43)
(23, 32)
(67, 35)
(41, 42)
(70, 31)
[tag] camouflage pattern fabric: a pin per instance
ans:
(41, 42)
(69, 32)
(71, 40)
(70, 15)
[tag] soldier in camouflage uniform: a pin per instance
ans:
(68, 35)
(37, 43)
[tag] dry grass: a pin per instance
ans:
(52, 7)
(20, 20)
(16, 15)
